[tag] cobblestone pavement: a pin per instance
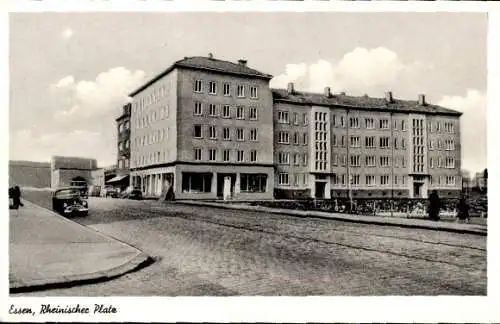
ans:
(219, 252)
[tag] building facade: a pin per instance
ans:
(71, 171)
(205, 128)
(364, 147)
(212, 129)
(121, 178)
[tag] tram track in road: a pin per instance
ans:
(260, 228)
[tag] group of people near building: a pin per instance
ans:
(15, 195)
(435, 207)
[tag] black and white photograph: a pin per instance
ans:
(209, 154)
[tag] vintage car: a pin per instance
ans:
(109, 191)
(135, 194)
(69, 201)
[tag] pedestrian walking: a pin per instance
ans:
(434, 205)
(463, 210)
(17, 197)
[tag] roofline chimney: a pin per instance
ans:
(388, 97)
(290, 88)
(328, 92)
(242, 62)
(210, 56)
(421, 100)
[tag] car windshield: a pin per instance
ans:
(67, 193)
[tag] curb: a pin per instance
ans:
(140, 261)
(309, 214)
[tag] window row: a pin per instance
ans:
(227, 133)
(449, 127)
(284, 138)
(123, 163)
(443, 180)
(155, 136)
(123, 145)
(294, 179)
(123, 126)
(149, 118)
(154, 97)
(225, 155)
(368, 161)
(298, 159)
(438, 162)
(225, 111)
(227, 90)
(368, 123)
(448, 144)
(151, 158)
(367, 180)
(298, 119)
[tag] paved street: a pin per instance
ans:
(218, 252)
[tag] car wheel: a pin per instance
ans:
(84, 214)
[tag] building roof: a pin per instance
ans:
(208, 64)
(31, 164)
(361, 103)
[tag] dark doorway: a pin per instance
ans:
(417, 190)
(220, 183)
(320, 190)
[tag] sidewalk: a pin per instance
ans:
(48, 250)
(374, 220)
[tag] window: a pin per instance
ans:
(355, 179)
(227, 89)
(450, 180)
(384, 124)
(253, 182)
(384, 142)
(431, 144)
(384, 161)
(283, 117)
(370, 180)
(253, 93)
(226, 155)
(212, 154)
(342, 141)
(450, 145)
(120, 146)
(253, 113)
(240, 135)
(198, 86)
(429, 126)
(355, 161)
(449, 128)
(213, 132)
(212, 110)
(334, 120)
(295, 118)
(197, 154)
(395, 125)
(196, 182)
(355, 141)
(240, 155)
(384, 180)
(283, 179)
(305, 159)
(342, 121)
(241, 91)
(343, 160)
(253, 156)
(226, 134)
(296, 138)
(431, 163)
(240, 112)
(450, 162)
(403, 125)
(305, 139)
(334, 140)
(296, 159)
(335, 159)
(226, 111)
(127, 144)
(438, 126)
(283, 138)
(296, 179)
(305, 119)
(212, 87)
(370, 123)
(253, 134)
(370, 161)
(197, 131)
(354, 122)
(284, 158)
(198, 108)
(403, 144)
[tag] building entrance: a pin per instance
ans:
(320, 189)
(220, 183)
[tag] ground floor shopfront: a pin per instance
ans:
(198, 181)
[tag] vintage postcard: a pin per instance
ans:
(248, 165)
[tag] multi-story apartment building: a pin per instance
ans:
(121, 179)
(211, 129)
(205, 127)
(366, 147)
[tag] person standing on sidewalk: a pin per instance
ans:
(463, 209)
(17, 197)
(434, 205)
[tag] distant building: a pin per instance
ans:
(97, 177)
(72, 171)
(479, 181)
(29, 174)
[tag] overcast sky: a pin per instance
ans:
(70, 73)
